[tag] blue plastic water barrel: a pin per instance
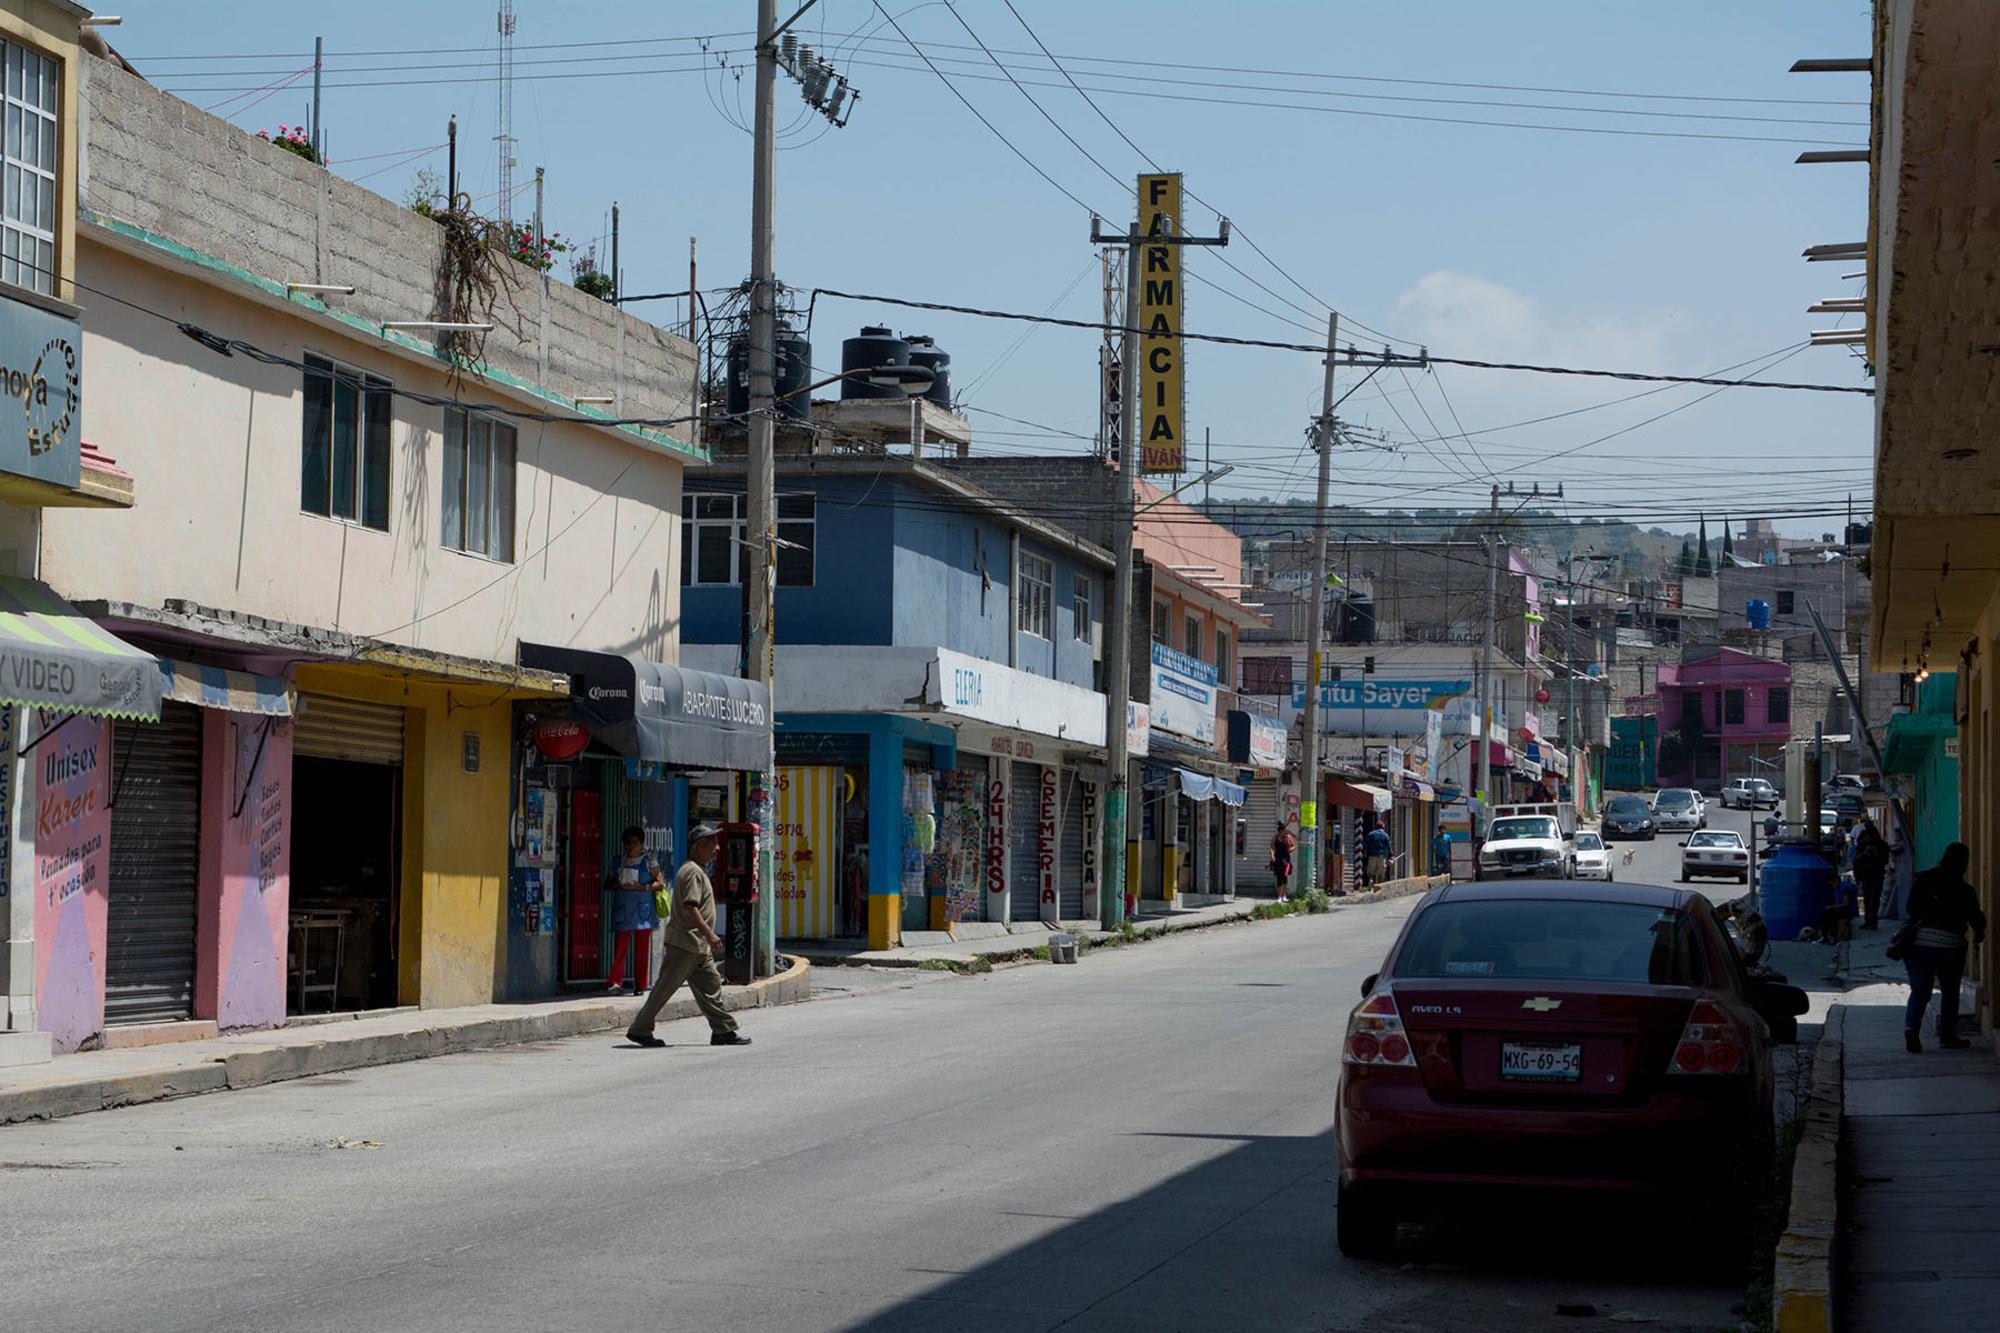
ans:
(1795, 888)
(1758, 613)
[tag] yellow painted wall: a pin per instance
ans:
(451, 946)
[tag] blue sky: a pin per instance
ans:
(1619, 251)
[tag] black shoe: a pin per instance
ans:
(644, 1039)
(1953, 1043)
(727, 1039)
(1910, 1042)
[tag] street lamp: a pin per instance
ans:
(914, 381)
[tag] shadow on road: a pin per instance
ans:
(1245, 1240)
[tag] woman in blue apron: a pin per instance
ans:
(633, 914)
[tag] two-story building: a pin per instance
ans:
(353, 535)
(941, 723)
(1723, 714)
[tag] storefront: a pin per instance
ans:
(1353, 807)
(1258, 746)
(637, 744)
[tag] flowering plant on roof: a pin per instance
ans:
(520, 242)
(293, 139)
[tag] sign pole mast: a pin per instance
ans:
(1310, 860)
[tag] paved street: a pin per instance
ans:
(1139, 1142)
(1659, 861)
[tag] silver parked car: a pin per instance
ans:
(1593, 858)
(1679, 808)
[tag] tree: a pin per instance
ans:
(1686, 567)
(1703, 567)
(1728, 546)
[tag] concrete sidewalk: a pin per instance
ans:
(100, 1080)
(1000, 942)
(1919, 1238)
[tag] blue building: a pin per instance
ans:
(1923, 743)
(940, 721)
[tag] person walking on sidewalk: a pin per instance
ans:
(1942, 906)
(1282, 844)
(1871, 863)
(1376, 848)
(690, 952)
(633, 915)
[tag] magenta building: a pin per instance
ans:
(1733, 713)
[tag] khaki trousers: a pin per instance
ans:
(699, 973)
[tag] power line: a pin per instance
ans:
(1273, 345)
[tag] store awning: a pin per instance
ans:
(1201, 787)
(665, 714)
(231, 691)
(1357, 795)
(52, 657)
(1911, 736)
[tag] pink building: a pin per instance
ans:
(1733, 714)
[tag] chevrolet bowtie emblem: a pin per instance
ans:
(1541, 1004)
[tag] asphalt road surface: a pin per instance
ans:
(1139, 1142)
(1659, 861)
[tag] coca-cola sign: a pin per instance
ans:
(559, 738)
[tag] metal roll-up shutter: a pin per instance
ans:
(331, 728)
(1260, 815)
(1069, 878)
(1024, 844)
(149, 944)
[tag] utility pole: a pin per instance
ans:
(1118, 639)
(1310, 867)
(540, 180)
(1482, 750)
(319, 143)
(758, 604)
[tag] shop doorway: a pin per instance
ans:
(155, 868)
(346, 855)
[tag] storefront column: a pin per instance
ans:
(1135, 850)
(20, 1041)
(885, 835)
(244, 895)
(1170, 844)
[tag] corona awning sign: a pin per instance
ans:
(1162, 404)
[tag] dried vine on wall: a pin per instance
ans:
(474, 274)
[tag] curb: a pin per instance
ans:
(1802, 1274)
(253, 1066)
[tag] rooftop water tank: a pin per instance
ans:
(794, 373)
(876, 347)
(926, 353)
(1759, 613)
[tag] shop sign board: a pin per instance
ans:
(1090, 837)
(1046, 841)
(1256, 741)
(1183, 695)
(1138, 729)
(559, 739)
(1376, 706)
(41, 377)
(996, 843)
(1162, 381)
(72, 830)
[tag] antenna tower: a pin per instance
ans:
(505, 138)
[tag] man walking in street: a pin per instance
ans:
(1871, 863)
(1376, 847)
(689, 955)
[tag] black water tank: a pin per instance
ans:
(1357, 620)
(874, 348)
(926, 353)
(794, 373)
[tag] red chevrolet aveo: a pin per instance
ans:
(1550, 1036)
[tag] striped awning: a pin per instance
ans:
(231, 691)
(52, 657)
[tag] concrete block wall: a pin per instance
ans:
(155, 162)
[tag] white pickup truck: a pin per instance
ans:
(1525, 846)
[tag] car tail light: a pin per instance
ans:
(1375, 1034)
(1709, 1044)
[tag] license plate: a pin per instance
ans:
(1541, 1061)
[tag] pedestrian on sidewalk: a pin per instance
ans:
(1376, 847)
(1871, 863)
(634, 916)
(1441, 853)
(1942, 907)
(690, 951)
(1282, 846)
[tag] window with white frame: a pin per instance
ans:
(28, 215)
(344, 453)
(1038, 584)
(1079, 611)
(1192, 646)
(1163, 623)
(1222, 657)
(714, 539)
(478, 485)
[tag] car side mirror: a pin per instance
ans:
(1368, 984)
(1775, 1000)
(1686, 841)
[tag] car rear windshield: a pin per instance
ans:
(1539, 826)
(1628, 805)
(1718, 838)
(1553, 940)
(1758, 784)
(1676, 799)
(1589, 842)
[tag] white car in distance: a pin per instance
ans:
(1719, 852)
(1679, 808)
(1593, 858)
